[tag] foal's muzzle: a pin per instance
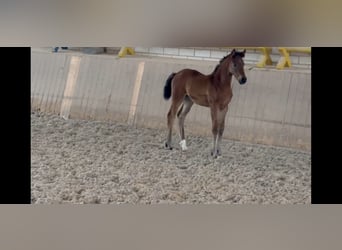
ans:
(243, 80)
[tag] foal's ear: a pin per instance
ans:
(243, 52)
(233, 53)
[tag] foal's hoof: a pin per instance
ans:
(168, 146)
(183, 145)
(216, 153)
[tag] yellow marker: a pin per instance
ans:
(126, 50)
(285, 60)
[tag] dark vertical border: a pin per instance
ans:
(326, 125)
(15, 176)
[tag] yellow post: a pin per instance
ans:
(126, 50)
(284, 60)
(265, 58)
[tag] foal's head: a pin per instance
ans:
(236, 66)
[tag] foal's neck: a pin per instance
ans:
(220, 76)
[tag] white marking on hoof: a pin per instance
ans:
(183, 145)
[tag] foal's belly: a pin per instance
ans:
(200, 100)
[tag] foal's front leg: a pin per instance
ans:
(214, 129)
(218, 121)
(221, 120)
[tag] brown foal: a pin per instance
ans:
(214, 91)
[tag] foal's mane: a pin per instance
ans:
(218, 65)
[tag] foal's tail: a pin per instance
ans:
(167, 87)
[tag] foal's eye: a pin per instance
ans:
(234, 65)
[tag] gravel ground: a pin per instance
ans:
(78, 162)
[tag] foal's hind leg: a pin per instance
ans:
(187, 104)
(171, 115)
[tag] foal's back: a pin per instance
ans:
(191, 76)
(194, 84)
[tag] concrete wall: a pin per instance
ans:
(274, 107)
